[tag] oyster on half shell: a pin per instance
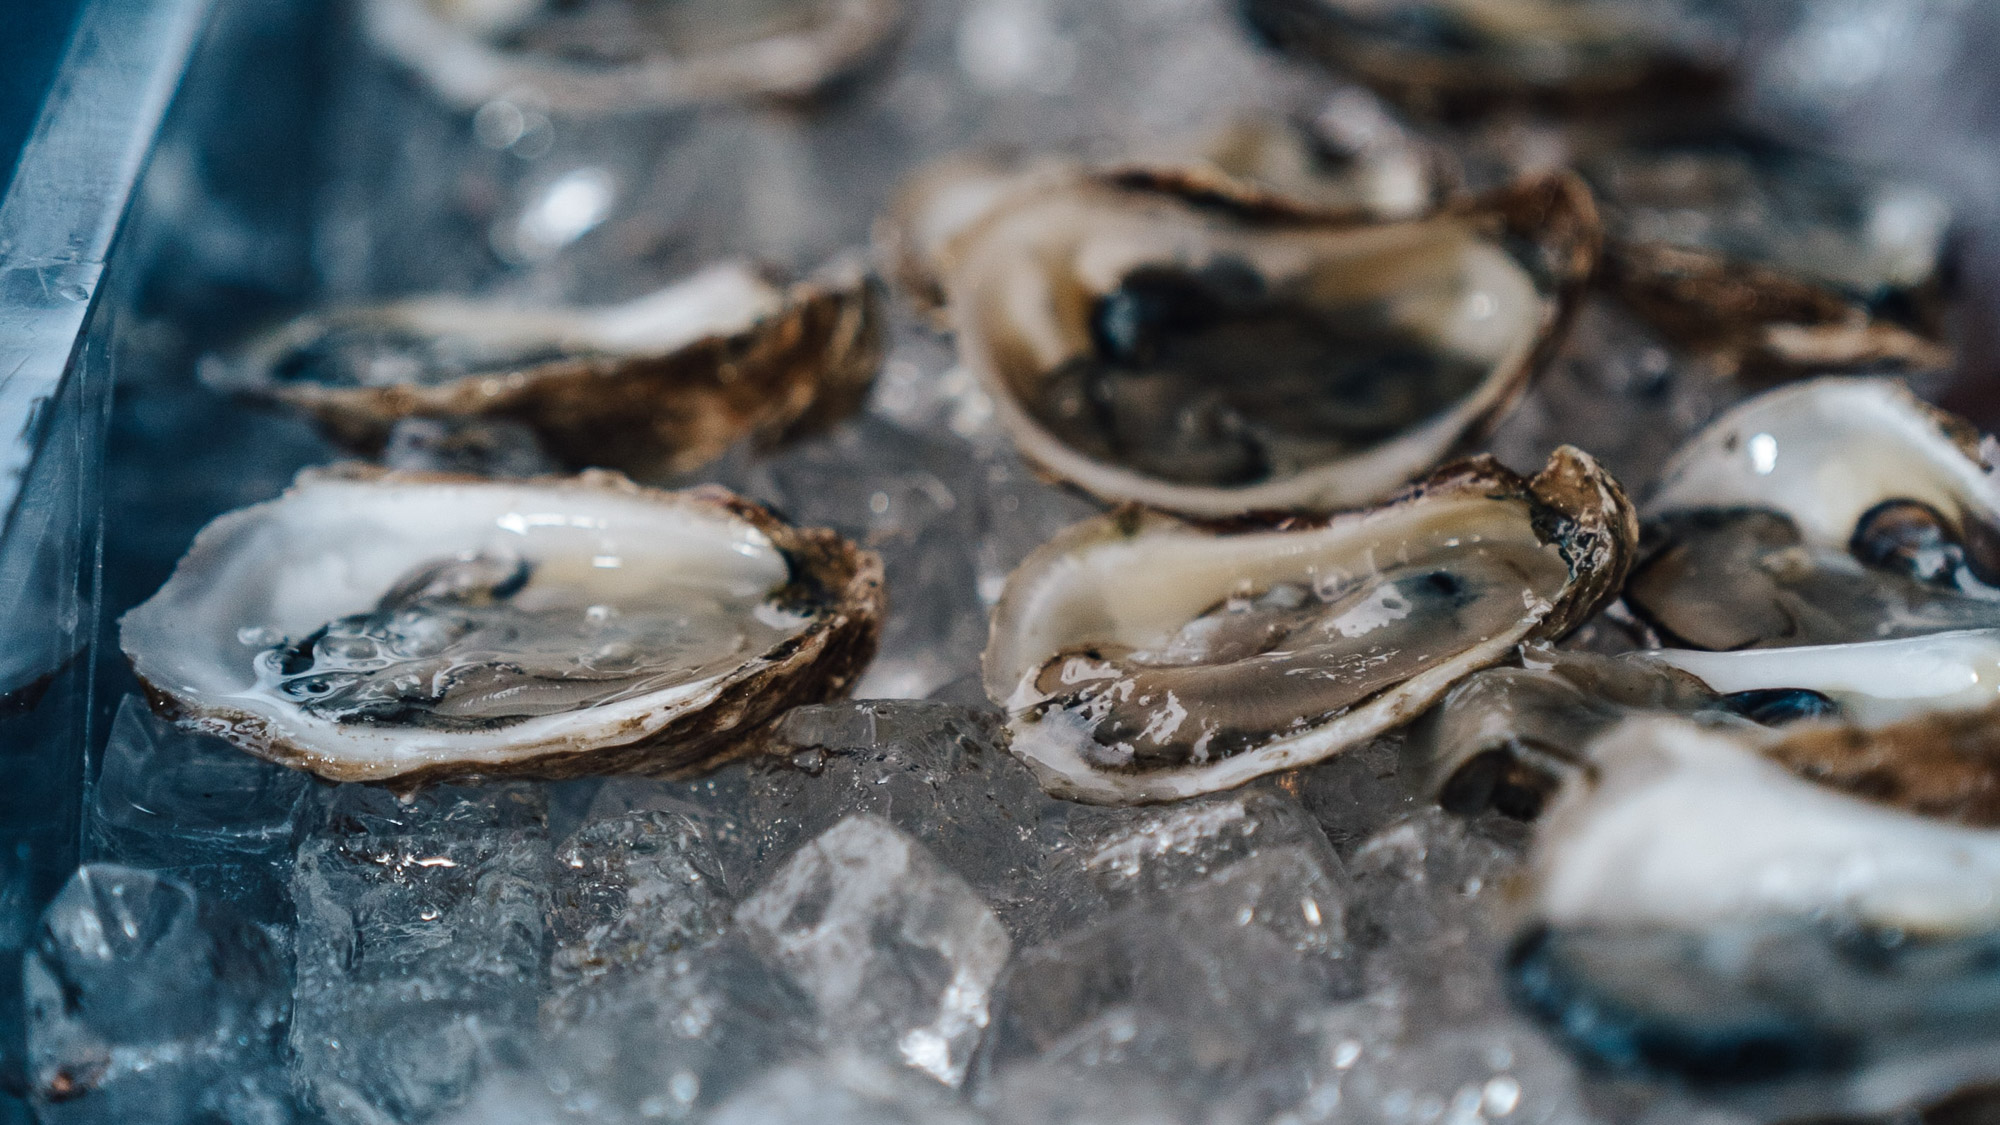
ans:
(660, 384)
(1144, 658)
(1896, 719)
(1698, 911)
(1773, 260)
(372, 626)
(1463, 57)
(607, 56)
(1830, 511)
(1180, 341)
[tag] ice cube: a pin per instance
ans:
(420, 945)
(147, 1002)
(631, 891)
(843, 1090)
(939, 772)
(662, 1042)
(898, 953)
(1158, 850)
(1206, 989)
(196, 807)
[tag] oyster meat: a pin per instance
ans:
(599, 56)
(1510, 738)
(372, 626)
(1144, 658)
(1177, 341)
(1460, 57)
(1831, 511)
(1771, 259)
(1700, 911)
(660, 384)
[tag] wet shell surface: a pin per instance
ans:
(1462, 57)
(1144, 658)
(1774, 261)
(1830, 511)
(1177, 341)
(372, 626)
(1699, 911)
(607, 56)
(661, 384)
(1509, 739)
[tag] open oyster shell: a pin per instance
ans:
(373, 626)
(1460, 57)
(1889, 717)
(1700, 911)
(1832, 511)
(1772, 260)
(1144, 658)
(660, 384)
(1180, 341)
(607, 56)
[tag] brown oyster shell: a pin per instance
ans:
(651, 416)
(1546, 224)
(819, 664)
(1572, 504)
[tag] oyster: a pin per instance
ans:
(372, 626)
(660, 384)
(1144, 658)
(1770, 259)
(1510, 738)
(1178, 341)
(1460, 57)
(599, 56)
(1352, 156)
(1700, 911)
(1830, 511)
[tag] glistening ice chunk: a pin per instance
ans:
(147, 1003)
(420, 942)
(631, 892)
(663, 1042)
(939, 772)
(195, 806)
(844, 1090)
(1157, 850)
(897, 951)
(1205, 992)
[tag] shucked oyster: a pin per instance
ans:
(1456, 57)
(615, 55)
(1511, 738)
(372, 626)
(1831, 511)
(1772, 259)
(1142, 658)
(660, 384)
(1701, 912)
(1179, 342)
(1352, 156)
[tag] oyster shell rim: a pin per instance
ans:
(467, 72)
(1598, 545)
(791, 373)
(1559, 203)
(1474, 87)
(821, 662)
(1758, 320)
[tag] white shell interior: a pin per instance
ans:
(1689, 827)
(1824, 452)
(332, 547)
(1020, 305)
(1874, 682)
(720, 300)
